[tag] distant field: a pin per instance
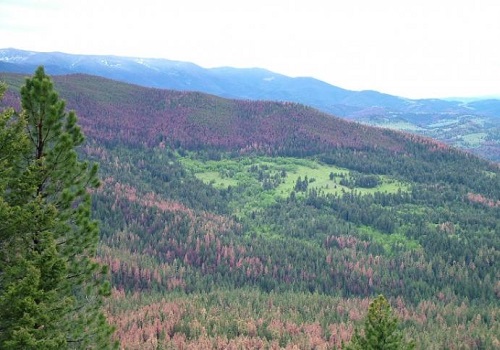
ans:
(473, 140)
(399, 125)
(249, 175)
(478, 134)
(321, 177)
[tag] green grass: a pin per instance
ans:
(389, 241)
(237, 172)
(474, 140)
(215, 179)
(320, 173)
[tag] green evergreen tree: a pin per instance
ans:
(24, 304)
(51, 287)
(381, 330)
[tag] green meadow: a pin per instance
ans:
(248, 177)
(251, 173)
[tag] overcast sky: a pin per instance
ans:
(417, 48)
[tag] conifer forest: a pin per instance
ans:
(142, 218)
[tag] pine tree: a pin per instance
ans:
(23, 305)
(381, 330)
(51, 287)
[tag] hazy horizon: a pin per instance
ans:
(424, 49)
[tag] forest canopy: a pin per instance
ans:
(256, 223)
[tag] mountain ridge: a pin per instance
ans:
(91, 64)
(200, 118)
(471, 125)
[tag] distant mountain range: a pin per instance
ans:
(471, 125)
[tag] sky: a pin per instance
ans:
(410, 48)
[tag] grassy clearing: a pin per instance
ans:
(215, 179)
(262, 181)
(319, 179)
(474, 140)
(248, 176)
(251, 171)
(389, 241)
(318, 176)
(399, 125)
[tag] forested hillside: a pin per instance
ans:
(230, 223)
(467, 124)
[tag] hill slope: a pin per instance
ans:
(253, 224)
(469, 125)
(145, 116)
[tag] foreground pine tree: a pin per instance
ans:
(381, 330)
(51, 287)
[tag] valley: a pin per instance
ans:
(258, 224)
